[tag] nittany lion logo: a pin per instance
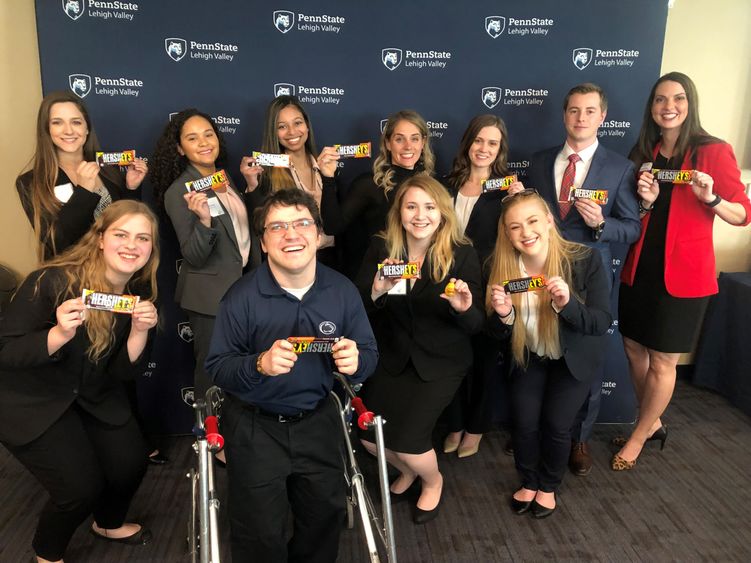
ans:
(582, 57)
(327, 327)
(176, 48)
(188, 395)
(73, 9)
(185, 331)
(491, 96)
(284, 89)
(391, 57)
(284, 20)
(80, 84)
(495, 25)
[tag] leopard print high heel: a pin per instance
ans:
(620, 464)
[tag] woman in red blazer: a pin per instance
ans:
(669, 273)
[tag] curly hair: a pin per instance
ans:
(167, 163)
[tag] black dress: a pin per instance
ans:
(647, 313)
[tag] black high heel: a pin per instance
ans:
(660, 434)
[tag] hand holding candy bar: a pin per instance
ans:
(500, 300)
(251, 172)
(702, 185)
(137, 171)
(647, 187)
(145, 317)
(559, 292)
(327, 161)
(346, 356)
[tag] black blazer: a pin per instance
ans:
(482, 227)
(77, 214)
(420, 325)
(608, 171)
(38, 388)
(581, 324)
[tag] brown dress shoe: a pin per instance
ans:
(580, 462)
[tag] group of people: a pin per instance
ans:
(291, 254)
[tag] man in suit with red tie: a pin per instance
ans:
(582, 162)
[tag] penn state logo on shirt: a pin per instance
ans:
(176, 48)
(284, 20)
(188, 395)
(73, 8)
(391, 57)
(80, 84)
(491, 96)
(327, 327)
(494, 25)
(185, 331)
(284, 89)
(582, 57)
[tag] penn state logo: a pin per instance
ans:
(176, 48)
(284, 89)
(188, 395)
(173, 114)
(582, 57)
(391, 57)
(495, 25)
(179, 261)
(383, 124)
(73, 9)
(327, 327)
(80, 84)
(491, 96)
(284, 20)
(185, 331)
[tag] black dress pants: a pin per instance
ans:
(544, 401)
(86, 466)
(203, 327)
(274, 466)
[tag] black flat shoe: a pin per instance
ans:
(158, 459)
(411, 493)
(520, 506)
(424, 516)
(141, 537)
(539, 511)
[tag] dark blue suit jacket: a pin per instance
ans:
(608, 171)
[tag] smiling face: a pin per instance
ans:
(126, 247)
(420, 215)
(582, 118)
(405, 144)
(669, 105)
(291, 129)
(528, 225)
(199, 144)
(292, 251)
(67, 127)
(485, 147)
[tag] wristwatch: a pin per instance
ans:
(598, 230)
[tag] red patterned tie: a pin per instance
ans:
(567, 183)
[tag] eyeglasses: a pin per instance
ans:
(298, 225)
(525, 192)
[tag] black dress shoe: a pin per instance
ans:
(141, 537)
(520, 506)
(158, 459)
(424, 516)
(539, 511)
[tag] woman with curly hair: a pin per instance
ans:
(64, 413)
(215, 246)
(66, 190)
(404, 151)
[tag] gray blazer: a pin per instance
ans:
(211, 258)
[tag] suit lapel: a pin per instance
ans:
(223, 220)
(593, 175)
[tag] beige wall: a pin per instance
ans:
(707, 40)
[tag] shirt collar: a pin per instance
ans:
(268, 285)
(585, 154)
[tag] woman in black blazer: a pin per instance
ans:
(423, 329)
(64, 413)
(216, 248)
(555, 334)
(66, 190)
(482, 155)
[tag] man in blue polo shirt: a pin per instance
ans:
(283, 430)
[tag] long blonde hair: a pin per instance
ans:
(504, 265)
(383, 174)
(82, 267)
(441, 251)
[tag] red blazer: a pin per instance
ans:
(689, 249)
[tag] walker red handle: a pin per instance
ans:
(365, 418)
(214, 439)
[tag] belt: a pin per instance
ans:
(286, 418)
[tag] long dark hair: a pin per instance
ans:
(280, 178)
(692, 134)
(167, 163)
(461, 168)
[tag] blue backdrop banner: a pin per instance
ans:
(351, 64)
